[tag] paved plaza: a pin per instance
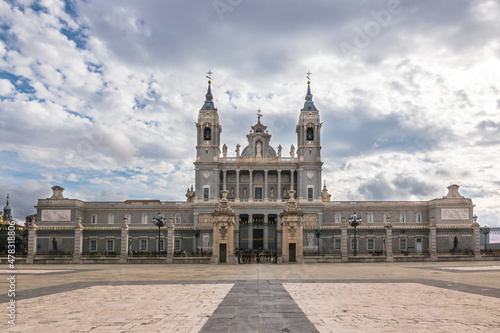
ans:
(371, 297)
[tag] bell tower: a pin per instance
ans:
(309, 149)
(208, 131)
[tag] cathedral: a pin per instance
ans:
(261, 205)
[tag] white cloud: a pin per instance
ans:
(6, 88)
(117, 116)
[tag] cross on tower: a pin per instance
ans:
(209, 76)
(259, 114)
(308, 74)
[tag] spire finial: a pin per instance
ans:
(308, 75)
(7, 199)
(209, 76)
(259, 115)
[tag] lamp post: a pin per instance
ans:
(318, 235)
(197, 235)
(486, 232)
(159, 221)
(354, 221)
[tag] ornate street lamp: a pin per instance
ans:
(197, 235)
(159, 221)
(354, 221)
(318, 235)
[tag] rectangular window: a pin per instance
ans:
(385, 218)
(258, 193)
(206, 193)
(177, 245)
(402, 218)
(369, 218)
(418, 218)
(144, 244)
(177, 219)
(337, 218)
(352, 243)
(111, 218)
(129, 218)
(110, 245)
(310, 192)
(144, 218)
(337, 244)
(94, 219)
(369, 243)
(93, 245)
(402, 243)
(161, 245)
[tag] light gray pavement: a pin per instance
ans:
(375, 297)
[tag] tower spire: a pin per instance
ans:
(209, 103)
(309, 104)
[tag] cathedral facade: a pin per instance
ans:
(261, 205)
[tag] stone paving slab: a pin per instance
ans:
(394, 307)
(257, 301)
(164, 308)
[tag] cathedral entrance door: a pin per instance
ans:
(258, 239)
(222, 252)
(291, 252)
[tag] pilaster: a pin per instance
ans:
(78, 242)
(124, 241)
(432, 240)
(170, 241)
(32, 230)
(388, 241)
(343, 241)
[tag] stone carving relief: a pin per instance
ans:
(311, 220)
(455, 214)
(56, 215)
(310, 175)
(310, 239)
(205, 238)
(259, 178)
(205, 221)
(292, 232)
(223, 231)
(206, 174)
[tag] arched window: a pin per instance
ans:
(310, 134)
(207, 134)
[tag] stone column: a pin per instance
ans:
(250, 186)
(266, 231)
(237, 185)
(250, 231)
(31, 241)
(432, 240)
(285, 255)
(343, 241)
(265, 185)
(77, 252)
(278, 193)
(291, 180)
(388, 241)
(170, 241)
(124, 241)
(215, 245)
(300, 242)
(224, 176)
(476, 240)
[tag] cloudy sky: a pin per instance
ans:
(101, 97)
